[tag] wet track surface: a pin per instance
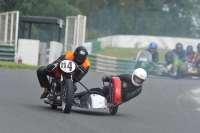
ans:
(164, 106)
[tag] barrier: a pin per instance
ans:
(9, 34)
(7, 52)
(142, 41)
(110, 65)
(125, 65)
(28, 50)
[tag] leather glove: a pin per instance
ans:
(104, 78)
(50, 67)
(82, 68)
(124, 85)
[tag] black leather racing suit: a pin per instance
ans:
(155, 56)
(129, 92)
(43, 71)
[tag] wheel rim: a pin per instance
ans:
(63, 100)
(52, 95)
(63, 105)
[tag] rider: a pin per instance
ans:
(79, 56)
(179, 68)
(180, 52)
(153, 50)
(190, 53)
(131, 84)
(196, 59)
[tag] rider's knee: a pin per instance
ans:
(41, 69)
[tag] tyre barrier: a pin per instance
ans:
(7, 52)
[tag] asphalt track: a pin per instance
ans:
(164, 106)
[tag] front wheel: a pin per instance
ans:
(113, 110)
(67, 96)
(53, 89)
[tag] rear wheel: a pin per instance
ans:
(67, 96)
(113, 110)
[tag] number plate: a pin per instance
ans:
(67, 66)
(142, 59)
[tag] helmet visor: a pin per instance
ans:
(80, 58)
(137, 79)
(152, 50)
(179, 49)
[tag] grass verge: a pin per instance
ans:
(6, 64)
(128, 53)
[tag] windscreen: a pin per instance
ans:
(144, 56)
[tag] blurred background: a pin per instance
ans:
(117, 28)
(171, 18)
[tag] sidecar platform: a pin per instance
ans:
(92, 101)
(88, 101)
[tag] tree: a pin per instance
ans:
(86, 6)
(48, 8)
(9, 5)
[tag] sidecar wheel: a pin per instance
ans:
(113, 110)
(67, 96)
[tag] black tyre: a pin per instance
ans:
(53, 91)
(67, 96)
(113, 110)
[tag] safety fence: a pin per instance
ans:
(7, 52)
(110, 65)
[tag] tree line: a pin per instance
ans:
(178, 18)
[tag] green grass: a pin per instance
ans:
(128, 53)
(5, 64)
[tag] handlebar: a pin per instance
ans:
(77, 66)
(55, 65)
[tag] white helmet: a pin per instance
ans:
(140, 74)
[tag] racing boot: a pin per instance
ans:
(45, 93)
(46, 100)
